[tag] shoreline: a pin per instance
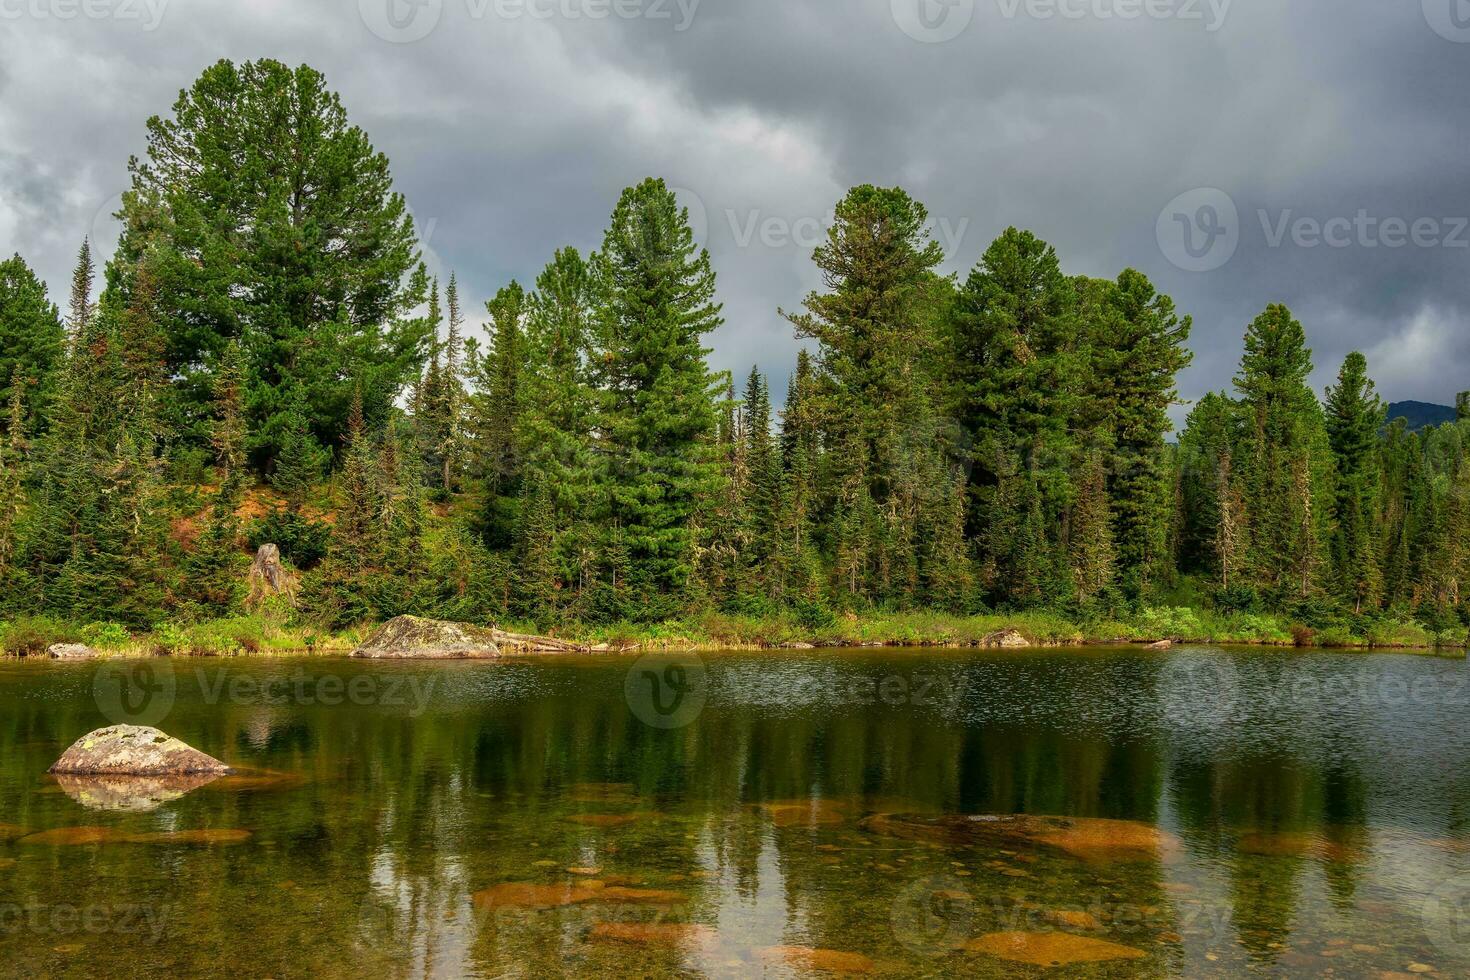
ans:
(343, 651)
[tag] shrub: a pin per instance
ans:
(29, 636)
(813, 615)
(302, 541)
(106, 636)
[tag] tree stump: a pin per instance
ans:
(268, 577)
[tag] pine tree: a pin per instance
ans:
(1285, 461)
(270, 219)
(1017, 365)
(1137, 351)
(877, 329)
(1355, 416)
(659, 409)
(558, 414)
(32, 340)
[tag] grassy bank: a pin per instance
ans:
(280, 633)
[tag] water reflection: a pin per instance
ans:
(1310, 813)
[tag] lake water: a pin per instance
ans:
(1273, 813)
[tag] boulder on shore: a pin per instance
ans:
(131, 750)
(1008, 639)
(412, 638)
(71, 651)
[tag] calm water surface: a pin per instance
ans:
(1275, 814)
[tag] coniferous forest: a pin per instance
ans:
(266, 360)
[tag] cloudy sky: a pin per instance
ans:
(1239, 152)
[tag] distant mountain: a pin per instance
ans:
(1421, 415)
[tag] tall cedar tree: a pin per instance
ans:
(272, 221)
(659, 406)
(877, 328)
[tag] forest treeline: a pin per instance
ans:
(998, 441)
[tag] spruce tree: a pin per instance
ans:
(1355, 416)
(213, 576)
(763, 468)
(658, 411)
(498, 418)
(12, 479)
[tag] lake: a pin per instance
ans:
(1198, 812)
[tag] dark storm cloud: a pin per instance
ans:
(513, 124)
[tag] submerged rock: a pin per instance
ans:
(412, 638)
(131, 750)
(1050, 948)
(805, 813)
(529, 895)
(71, 651)
(81, 836)
(137, 794)
(1090, 838)
(662, 934)
(823, 960)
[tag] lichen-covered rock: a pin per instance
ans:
(412, 638)
(130, 750)
(1008, 639)
(71, 651)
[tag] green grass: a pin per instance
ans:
(279, 631)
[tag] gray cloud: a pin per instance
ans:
(512, 133)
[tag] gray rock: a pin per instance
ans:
(131, 750)
(1006, 639)
(71, 651)
(412, 638)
